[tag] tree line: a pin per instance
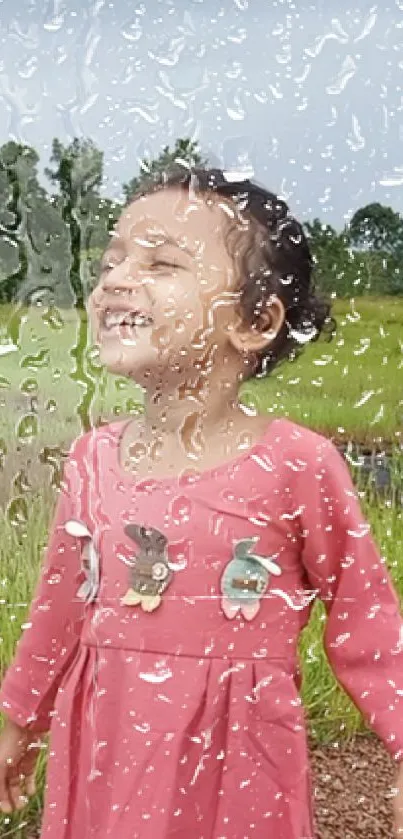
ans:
(51, 240)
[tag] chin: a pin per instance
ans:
(124, 363)
(144, 365)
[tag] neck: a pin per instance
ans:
(196, 406)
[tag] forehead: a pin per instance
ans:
(196, 221)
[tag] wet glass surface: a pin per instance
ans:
(176, 377)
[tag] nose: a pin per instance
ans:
(121, 281)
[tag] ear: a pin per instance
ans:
(248, 339)
(132, 531)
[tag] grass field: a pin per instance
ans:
(347, 389)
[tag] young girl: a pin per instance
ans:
(188, 547)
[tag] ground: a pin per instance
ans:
(352, 789)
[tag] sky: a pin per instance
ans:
(306, 96)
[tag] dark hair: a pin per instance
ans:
(272, 254)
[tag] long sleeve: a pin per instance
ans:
(50, 640)
(364, 630)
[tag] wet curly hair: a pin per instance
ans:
(272, 255)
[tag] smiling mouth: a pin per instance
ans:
(123, 326)
(131, 320)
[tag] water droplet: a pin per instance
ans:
(7, 347)
(132, 31)
(3, 452)
(76, 528)
(156, 678)
(347, 71)
(364, 398)
(179, 510)
(29, 386)
(235, 109)
(55, 23)
(53, 318)
(27, 428)
(17, 511)
(21, 483)
(368, 26)
(54, 577)
(52, 457)
(238, 158)
(121, 384)
(34, 362)
(356, 141)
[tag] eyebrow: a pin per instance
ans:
(162, 239)
(152, 239)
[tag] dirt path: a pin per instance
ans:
(353, 790)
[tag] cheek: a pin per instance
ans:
(219, 310)
(91, 314)
(181, 309)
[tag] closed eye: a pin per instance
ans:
(108, 266)
(162, 264)
(173, 266)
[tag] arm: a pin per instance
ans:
(364, 630)
(50, 642)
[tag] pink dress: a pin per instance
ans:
(186, 721)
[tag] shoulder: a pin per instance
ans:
(310, 463)
(90, 442)
(296, 442)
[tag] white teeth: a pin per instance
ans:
(112, 319)
(142, 320)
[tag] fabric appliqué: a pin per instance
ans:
(245, 580)
(90, 560)
(150, 571)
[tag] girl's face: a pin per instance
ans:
(166, 296)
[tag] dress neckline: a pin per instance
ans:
(189, 477)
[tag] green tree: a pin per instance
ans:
(352, 271)
(77, 171)
(376, 234)
(334, 262)
(378, 228)
(19, 194)
(185, 150)
(319, 234)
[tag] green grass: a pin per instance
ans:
(346, 389)
(21, 550)
(56, 366)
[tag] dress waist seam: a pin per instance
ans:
(146, 651)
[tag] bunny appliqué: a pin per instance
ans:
(243, 584)
(150, 571)
(245, 580)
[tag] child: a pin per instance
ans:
(189, 545)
